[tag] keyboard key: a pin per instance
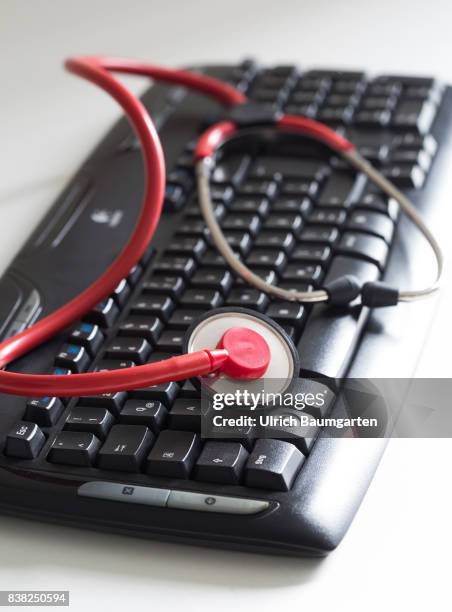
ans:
(273, 464)
(189, 391)
(341, 189)
(242, 222)
(221, 193)
(291, 313)
(107, 365)
(97, 421)
(169, 285)
(291, 167)
(415, 114)
(307, 273)
(283, 221)
(372, 248)
(112, 401)
(266, 274)
(413, 157)
(407, 176)
(44, 411)
(174, 454)
(201, 298)
(319, 234)
(214, 279)
(183, 266)
(411, 140)
(327, 216)
(148, 327)
(311, 253)
(134, 275)
(104, 314)
(186, 413)
(264, 188)
(239, 242)
(174, 198)
(73, 357)
(171, 340)
(133, 348)
(165, 393)
(138, 412)
(372, 222)
(125, 448)
(248, 298)
(24, 441)
(289, 204)
(74, 448)
(221, 462)
(300, 188)
(231, 170)
(158, 305)
(272, 239)
(121, 293)
(373, 118)
(182, 319)
(259, 206)
(190, 227)
(258, 258)
(213, 259)
(187, 245)
(89, 336)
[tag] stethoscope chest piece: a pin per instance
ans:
(210, 330)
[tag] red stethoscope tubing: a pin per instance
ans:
(97, 71)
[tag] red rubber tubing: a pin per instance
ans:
(97, 71)
(218, 133)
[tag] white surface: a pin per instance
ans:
(395, 554)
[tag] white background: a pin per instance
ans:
(396, 552)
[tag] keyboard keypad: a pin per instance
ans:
(296, 220)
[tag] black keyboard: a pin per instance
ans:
(136, 462)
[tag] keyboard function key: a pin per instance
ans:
(73, 357)
(89, 336)
(44, 411)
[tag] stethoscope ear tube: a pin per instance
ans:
(345, 289)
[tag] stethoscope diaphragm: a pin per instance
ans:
(284, 363)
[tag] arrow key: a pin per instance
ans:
(74, 448)
(221, 462)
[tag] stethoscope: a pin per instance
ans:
(226, 346)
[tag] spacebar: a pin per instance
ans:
(331, 335)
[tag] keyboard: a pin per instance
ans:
(136, 463)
